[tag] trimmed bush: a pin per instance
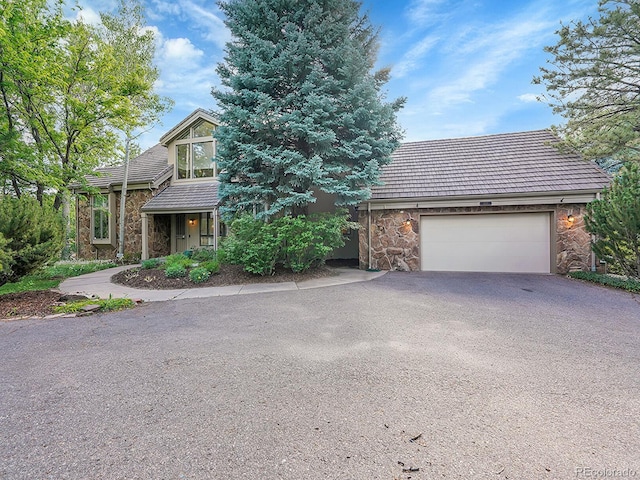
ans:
(175, 270)
(199, 275)
(296, 243)
(151, 263)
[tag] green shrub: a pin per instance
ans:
(212, 266)
(254, 245)
(221, 255)
(175, 270)
(32, 236)
(199, 275)
(203, 254)
(178, 259)
(297, 243)
(628, 284)
(150, 263)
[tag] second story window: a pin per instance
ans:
(195, 152)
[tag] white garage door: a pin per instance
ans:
(506, 242)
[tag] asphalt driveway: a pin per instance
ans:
(457, 375)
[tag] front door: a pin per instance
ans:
(193, 232)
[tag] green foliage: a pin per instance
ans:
(29, 284)
(203, 254)
(150, 263)
(199, 275)
(66, 269)
(211, 266)
(178, 259)
(175, 270)
(594, 82)
(615, 220)
(68, 89)
(32, 235)
(253, 244)
(50, 276)
(5, 256)
(297, 243)
(627, 284)
(106, 305)
(303, 110)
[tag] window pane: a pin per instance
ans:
(182, 160)
(203, 165)
(204, 218)
(100, 224)
(100, 201)
(203, 129)
(183, 135)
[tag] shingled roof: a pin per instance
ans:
(149, 167)
(190, 196)
(507, 164)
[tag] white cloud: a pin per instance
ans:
(412, 59)
(88, 16)
(180, 51)
(209, 21)
(528, 97)
(423, 12)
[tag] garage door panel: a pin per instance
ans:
(487, 243)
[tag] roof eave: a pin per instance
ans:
(199, 113)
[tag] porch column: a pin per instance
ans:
(145, 236)
(216, 232)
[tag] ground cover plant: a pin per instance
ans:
(628, 284)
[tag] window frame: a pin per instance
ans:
(107, 208)
(190, 142)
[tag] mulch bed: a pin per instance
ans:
(33, 304)
(155, 279)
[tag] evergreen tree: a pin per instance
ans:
(302, 108)
(594, 82)
(615, 220)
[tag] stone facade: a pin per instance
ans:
(395, 236)
(159, 230)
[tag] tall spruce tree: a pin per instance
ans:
(303, 109)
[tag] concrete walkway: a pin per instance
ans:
(98, 285)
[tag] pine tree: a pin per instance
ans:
(615, 220)
(303, 109)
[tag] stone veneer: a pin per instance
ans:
(395, 236)
(159, 230)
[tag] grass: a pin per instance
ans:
(106, 305)
(628, 284)
(51, 276)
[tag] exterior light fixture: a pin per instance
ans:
(571, 219)
(192, 222)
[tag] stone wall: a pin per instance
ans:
(395, 236)
(159, 230)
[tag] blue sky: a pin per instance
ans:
(465, 66)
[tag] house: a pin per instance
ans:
(501, 203)
(171, 203)
(172, 199)
(497, 203)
